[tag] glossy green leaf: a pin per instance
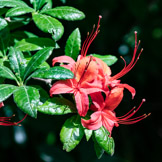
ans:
(17, 61)
(108, 59)
(33, 44)
(57, 73)
(37, 59)
(27, 99)
(73, 44)
(71, 133)
(6, 91)
(104, 141)
(37, 4)
(65, 13)
(49, 25)
(4, 35)
(63, 1)
(12, 3)
(6, 73)
(99, 151)
(57, 106)
(19, 10)
(88, 133)
(48, 4)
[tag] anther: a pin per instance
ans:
(143, 100)
(94, 26)
(135, 32)
(87, 33)
(100, 16)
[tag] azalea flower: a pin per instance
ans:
(6, 121)
(86, 76)
(104, 114)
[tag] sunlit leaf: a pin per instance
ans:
(6, 91)
(57, 106)
(33, 44)
(65, 13)
(37, 59)
(108, 59)
(73, 44)
(27, 99)
(71, 133)
(49, 25)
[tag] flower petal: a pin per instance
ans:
(114, 98)
(1, 104)
(65, 86)
(94, 123)
(98, 101)
(82, 102)
(130, 89)
(64, 59)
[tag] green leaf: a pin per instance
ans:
(6, 91)
(65, 13)
(57, 73)
(63, 1)
(57, 106)
(47, 5)
(37, 59)
(108, 59)
(71, 133)
(17, 11)
(4, 35)
(37, 4)
(88, 133)
(27, 99)
(12, 3)
(49, 25)
(3, 10)
(17, 61)
(73, 44)
(99, 151)
(33, 44)
(6, 73)
(104, 141)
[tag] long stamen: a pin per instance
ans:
(90, 39)
(125, 119)
(5, 121)
(134, 60)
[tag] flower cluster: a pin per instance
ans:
(92, 77)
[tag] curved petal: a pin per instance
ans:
(64, 59)
(82, 102)
(97, 100)
(114, 98)
(94, 123)
(108, 120)
(106, 69)
(130, 89)
(65, 86)
(1, 104)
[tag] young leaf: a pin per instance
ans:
(108, 59)
(37, 59)
(6, 91)
(104, 141)
(49, 25)
(99, 151)
(57, 106)
(57, 73)
(6, 73)
(12, 3)
(33, 44)
(88, 133)
(71, 133)
(47, 5)
(17, 61)
(65, 13)
(27, 99)
(73, 44)
(37, 4)
(19, 10)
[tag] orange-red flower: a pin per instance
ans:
(104, 114)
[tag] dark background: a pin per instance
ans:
(38, 140)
